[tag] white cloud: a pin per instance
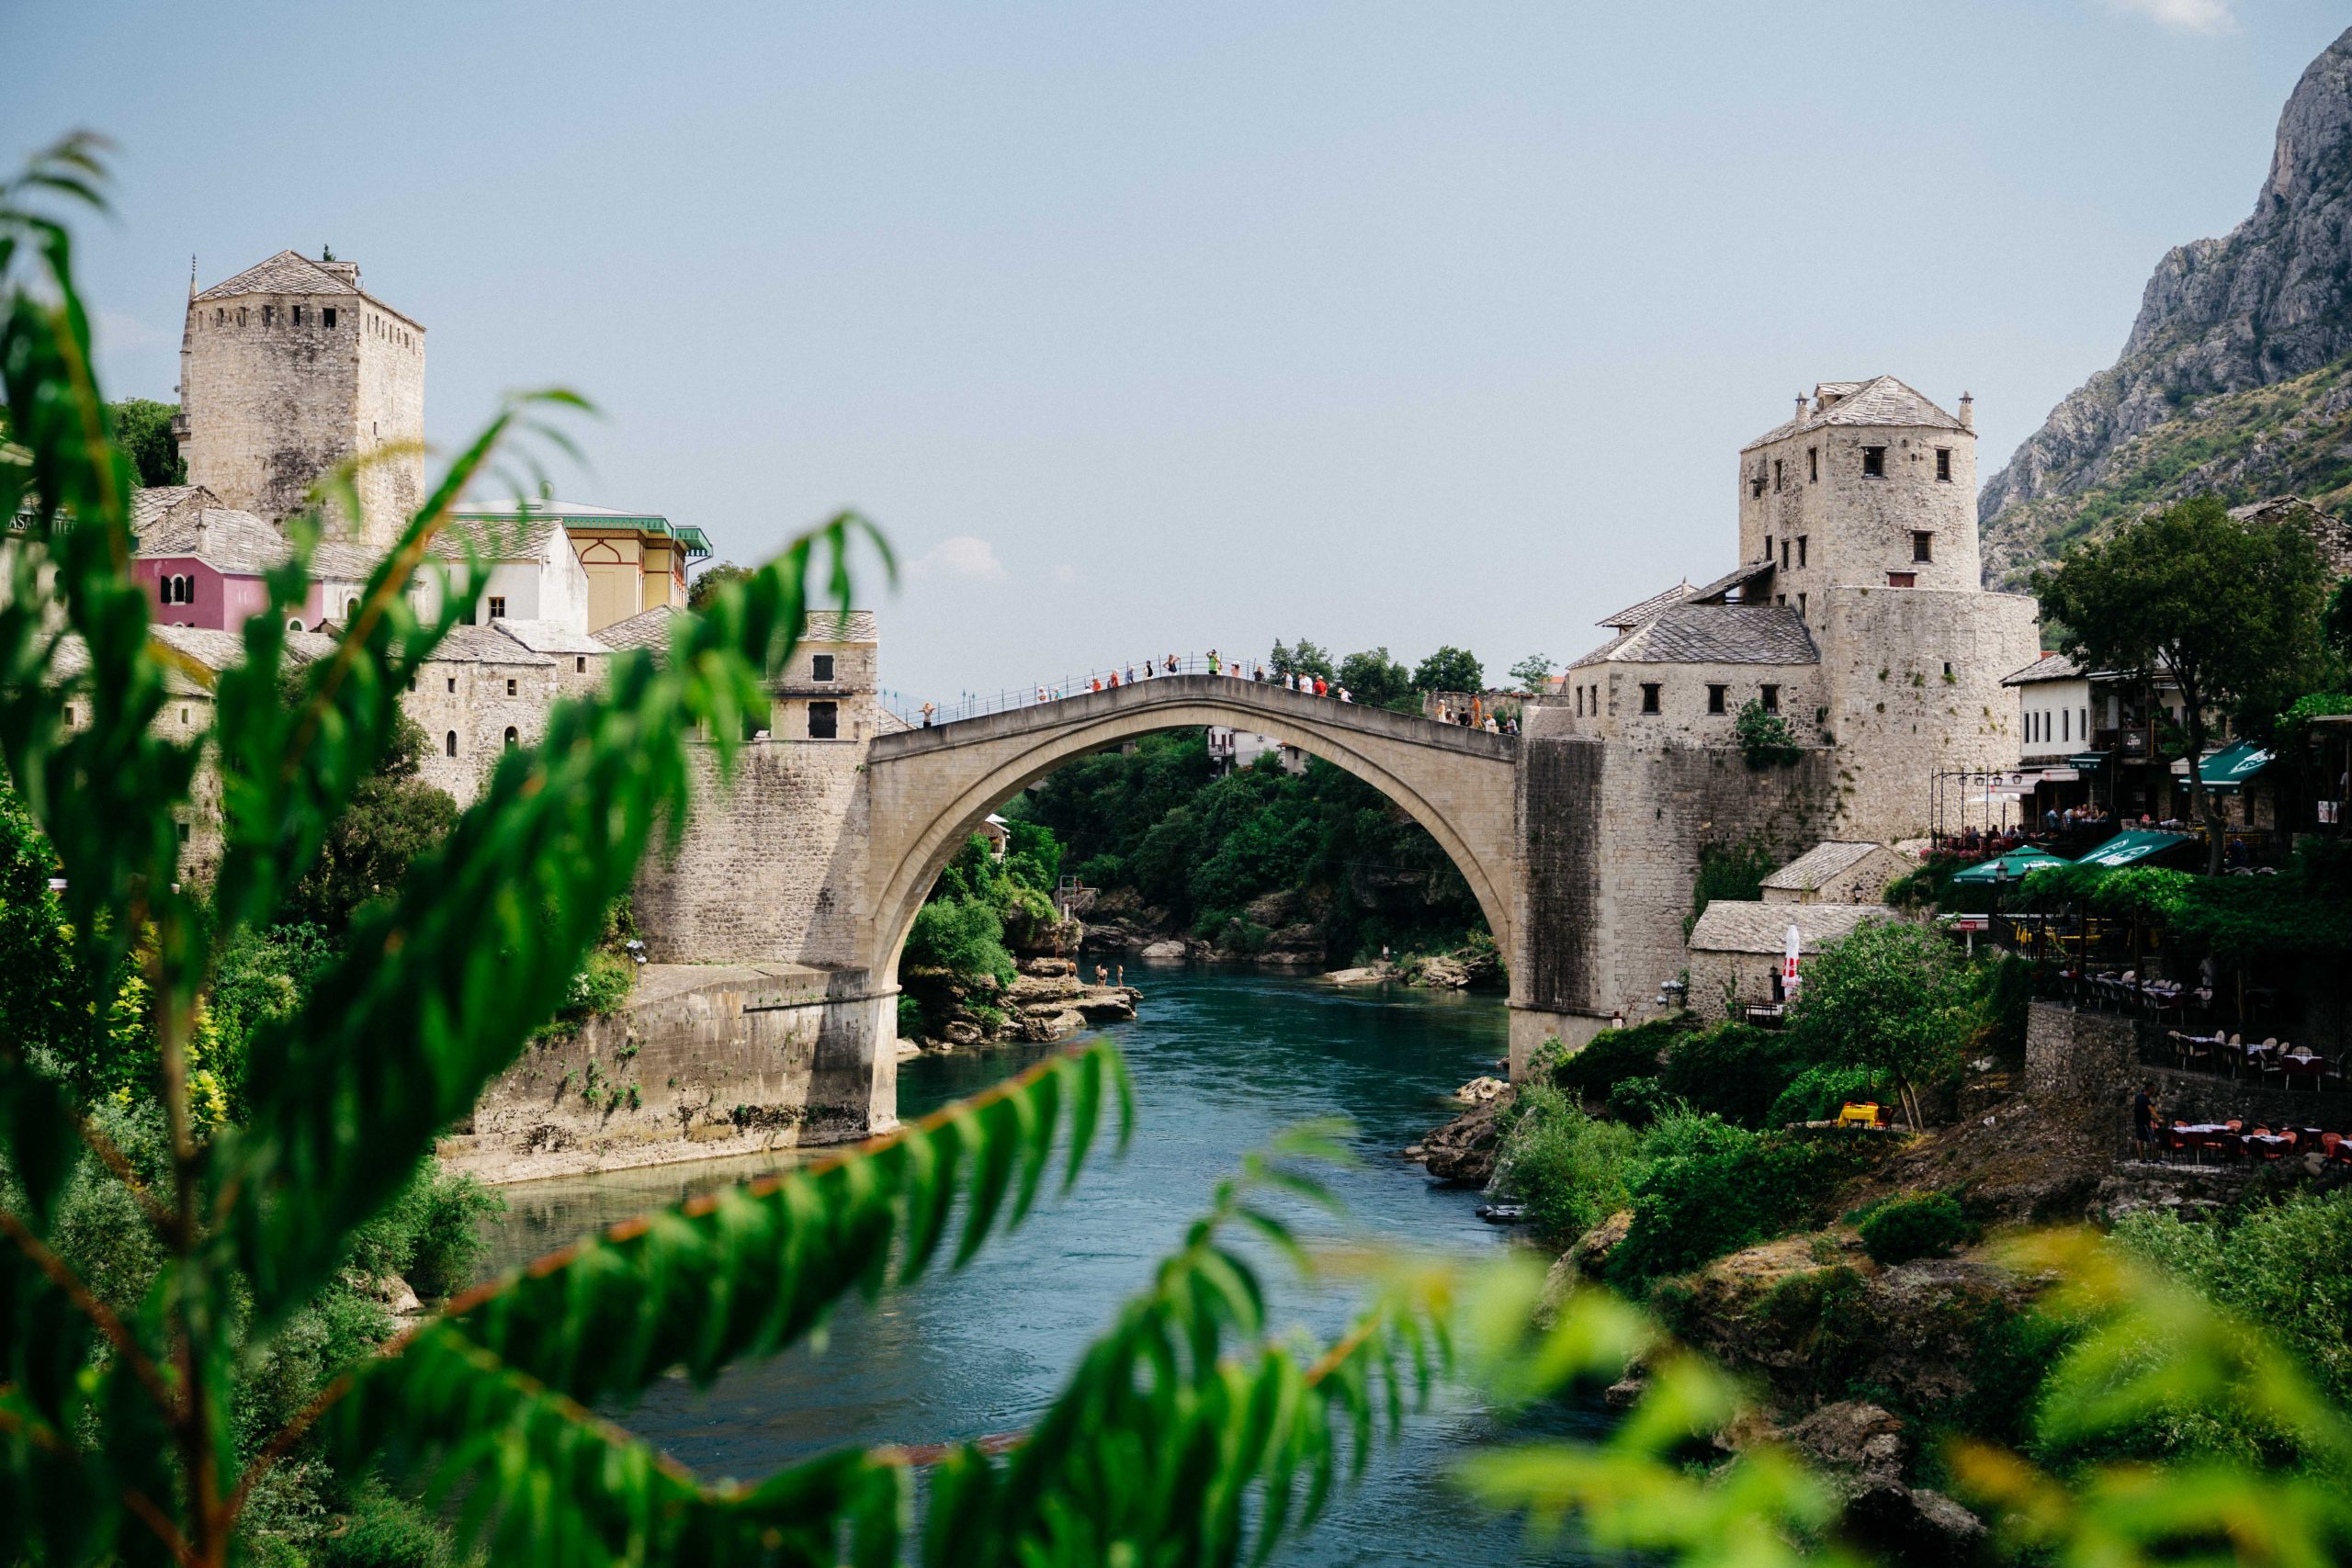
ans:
(962, 556)
(1064, 576)
(2181, 16)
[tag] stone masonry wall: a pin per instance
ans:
(773, 870)
(1682, 717)
(1714, 975)
(1858, 529)
(708, 1061)
(388, 410)
(479, 712)
(269, 403)
(1915, 683)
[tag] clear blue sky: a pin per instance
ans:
(1148, 328)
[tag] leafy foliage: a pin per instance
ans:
(1705, 1188)
(1919, 1224)
(1450, 669)
(1568, 1168)
(1893, 998)
(1735, 1070)
(2304, 911)
(1735, 871)
(142, 429)
(1531, 671)
(1301, 658)
(1764, 739)
(710, 580)
(2228, 610)
(1377, 681)
(1615, 1054)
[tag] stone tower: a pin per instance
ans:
(1863, 508)
(289, 369)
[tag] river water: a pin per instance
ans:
(1222, 1061)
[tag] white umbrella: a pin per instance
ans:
(1788, 964)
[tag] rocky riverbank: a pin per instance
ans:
(1049, 999)
(1281, 930)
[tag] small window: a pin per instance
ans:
(220, 318)
(453, 686)
(497, 607)
(298, 315)
(329, 313)
(1802, 539)
(1902, 579)
(824, 721)
(513, 740)
(1580, 705)
(1943, 464)
(509, 685)
(1800, 606)
(1874, 462)
(1812, 463)
(1776, 474)
(1771, 697)
(1716, 698)
(1768, 549)
(1649, 696)
(351, 606)
(449, 742)
(580, 664)
(1946, 668)
(1755, 485)
(267, 311)
(1923, 545)
(183, 832)
(1784, 555)
(821, 666)
(183, 716)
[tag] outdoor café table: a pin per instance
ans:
(2270, 1143)
(2202, 1131)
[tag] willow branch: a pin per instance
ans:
(138, 1502)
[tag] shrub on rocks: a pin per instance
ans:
(1924, 1225)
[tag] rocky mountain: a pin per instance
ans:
(2230, 381)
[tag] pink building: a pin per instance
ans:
(202, 563)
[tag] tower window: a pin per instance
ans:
(1946, 668)
(1755, 485)
(298, 315)
(512, 740)
(453, 686)
(1801, 544)
(509, 685)
(1784, 555)
(1580, 705)
(824, 721)
(1874, 462)
(1771, 697)
(268, 313)
(329, 313)
(1923, 546)
(821, 666)
(1902, 579)
(1649, 696)
(1776, 474)
(220, 316)
(497, 607)
(1813, 464)
(449, 742)
(580, 664)
(1716, 695)
(1943, 464)
(1767, 547)
(1800, 606)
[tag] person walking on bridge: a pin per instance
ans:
(1212, 664)
(1171, 665)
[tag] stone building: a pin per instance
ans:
(1835, 873)
(289, 369)
(1855, 617)
(630, 561)
(1737, 946)
(202, 563)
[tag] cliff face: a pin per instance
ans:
(2268, 303)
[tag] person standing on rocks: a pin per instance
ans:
(2143, 1121)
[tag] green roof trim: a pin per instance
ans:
(2010, 867)
(2133, 844)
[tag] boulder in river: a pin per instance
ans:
(1166, 950)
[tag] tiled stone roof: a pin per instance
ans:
(647, 628)
(1732, 925)
(217, 651)
(1738, 577)
(498, 539)
(1881, 401)
(835, 625)
(226, 540)
(1818, 865)
(288, 271)
(2049, 666)
(1713, 634)
(484, 645)
(1635, 615)
(546, 636)
(156, 502)
(336, 562)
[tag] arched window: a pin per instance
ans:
(451, 744)
(351, 606)
(513, 740)
(294, 625)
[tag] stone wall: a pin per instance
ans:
(771, 867)
(1683, 718)
(1715, 974)
(2084, 1056)
(1858, 529)
(470, 699)
(1915, 682)
(705, 1062)
(389, 412)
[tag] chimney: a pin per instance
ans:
(1801, 408)
(1967, 411)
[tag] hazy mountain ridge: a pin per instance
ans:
(2264, 307)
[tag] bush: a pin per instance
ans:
(910, 1021)
(1614, 1054)
(384, 1532)
(1733, 1070)
(1637, 1102)
(961, 936)
(1764, 738)
(1924, 1224)
(1817, 1094)
(1705, 1188)
(1566, 1167)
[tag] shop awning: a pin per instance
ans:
(2088, 760)
(2010, 867)
(2227, 769)
(2132, 845)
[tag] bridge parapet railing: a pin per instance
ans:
(979, 704)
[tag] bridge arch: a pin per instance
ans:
(929, 789)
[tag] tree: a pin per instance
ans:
(123, 1434)
(1374, 679)
(394, 817)
(1531, 671)
(1892, 998)
(1301, 658)
(143, 428)
(712, 578)
(1450, 669)
(2228, 611)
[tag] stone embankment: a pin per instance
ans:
(1049, 1000)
